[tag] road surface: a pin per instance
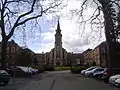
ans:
(58, 80)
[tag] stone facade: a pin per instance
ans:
(88, 57)
(98, 55)
(32, 56)
(103, 54)
(77, 59)
(11, 51)
(85, 57)
(40, 58)
(58, 56)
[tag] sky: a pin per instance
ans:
(74, 38)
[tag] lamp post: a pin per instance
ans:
(71, 61)
(14, 72)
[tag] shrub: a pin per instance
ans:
(40, 68)
(77, 69)
(49, 68)
(61, 68)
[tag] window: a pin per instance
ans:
(12, 49)
(8, 49)
(57, 47)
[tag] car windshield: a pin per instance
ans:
(90, 68)
(98, 70)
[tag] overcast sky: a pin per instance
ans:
(73, 37)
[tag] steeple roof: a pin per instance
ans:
(58, 26)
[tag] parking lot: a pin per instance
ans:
(58, 81)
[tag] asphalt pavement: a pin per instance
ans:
(58, 80)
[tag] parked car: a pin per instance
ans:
(25, 70)
(19, 71)
(91, 72)
(107, 74)
(99, 74)
(113, 78)
(88, 69)
(110, 72)
(36, 70)
(10, 71)
(4, 77)
(117, 82)
(32, 70)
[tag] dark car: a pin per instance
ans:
(4, 77)
(108, 73)
(19, 71)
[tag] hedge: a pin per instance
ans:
(40, 68)
(77, 69)
(49, 68)
(61, 68)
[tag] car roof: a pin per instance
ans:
(3, 71)
(98, 68)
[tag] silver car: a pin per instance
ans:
(88, 69)
(113, 78)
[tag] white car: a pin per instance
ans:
(117, 82)
(25, 69)
(113, 78)
(91, 72)
(32, 70)
(88, 69)
(99, 73)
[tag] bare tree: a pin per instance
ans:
(15, 13)
(110, 11)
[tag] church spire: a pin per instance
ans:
(58, 25)
(58, 36)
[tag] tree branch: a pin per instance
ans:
(17, 23)
(8, 20)
(27, 13)
(17, 1)
(116, 3)
(10, 11)
(2, 18)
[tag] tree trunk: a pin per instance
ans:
(109, 33)
(3, 54)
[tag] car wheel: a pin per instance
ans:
(95, 76)
(90, 75)
(118, 86)
(5, 83)
(99, 77)
(106, 80)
